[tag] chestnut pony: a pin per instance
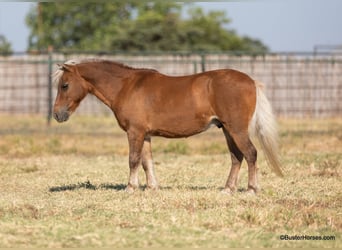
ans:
(147, 103)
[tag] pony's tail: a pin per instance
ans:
(263, 126)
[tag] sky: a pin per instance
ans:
(283, 25)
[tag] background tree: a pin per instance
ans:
(82, 25)
(5, 46)
(133, 26)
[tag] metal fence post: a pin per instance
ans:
(49, 114)
(195, 66)
(203, 61)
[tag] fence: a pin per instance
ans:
(298, 85)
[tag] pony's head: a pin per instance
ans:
(72, 88)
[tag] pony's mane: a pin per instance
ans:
(57, 75)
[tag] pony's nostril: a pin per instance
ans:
(55, 115)
(61, 116)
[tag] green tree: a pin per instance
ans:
(5, 46)
(83, 25)
(206, 32)
(157, 27)
(133, 26)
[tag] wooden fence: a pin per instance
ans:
(298, 85)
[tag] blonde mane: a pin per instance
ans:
(57, 75)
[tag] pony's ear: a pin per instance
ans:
(66, 67)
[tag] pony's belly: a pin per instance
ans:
(185, 128)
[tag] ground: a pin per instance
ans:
(63, 186)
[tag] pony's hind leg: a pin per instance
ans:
(147, 164)
(250, 153)
(236, 158)
(246, 147)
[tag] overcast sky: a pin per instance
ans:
(283, 25)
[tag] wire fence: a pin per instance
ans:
(297, 84)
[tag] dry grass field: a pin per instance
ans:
(63, 186)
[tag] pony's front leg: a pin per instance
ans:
(147, 164)
(135, 141)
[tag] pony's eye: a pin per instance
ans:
(65, 86)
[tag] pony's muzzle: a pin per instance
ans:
(62, 115)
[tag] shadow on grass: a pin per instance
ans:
(118, 187)
(87, 185)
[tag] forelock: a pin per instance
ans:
(56, 76)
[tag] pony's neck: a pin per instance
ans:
(106, 81)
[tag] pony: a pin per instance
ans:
(147, 103)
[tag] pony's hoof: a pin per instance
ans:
(152, 188)
(251, 192)
(227, 191)
(129, 189)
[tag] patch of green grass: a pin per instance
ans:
(214, 148)
(176, 148)
(64, 187)
(53, 145)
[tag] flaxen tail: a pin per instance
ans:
(263, 126)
